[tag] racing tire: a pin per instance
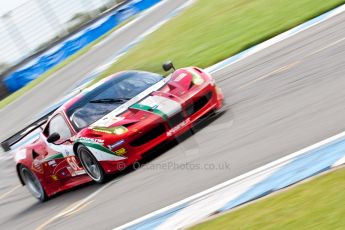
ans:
(32, 183)
(91, 165)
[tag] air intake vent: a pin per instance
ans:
(176, 119)
(198, 104)
(149, 135)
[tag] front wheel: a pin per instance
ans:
(91, 165)
(33, 184)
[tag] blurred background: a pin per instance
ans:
(30, 27)
(34, 25)
(282, 96)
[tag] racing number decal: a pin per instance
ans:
(73, 163)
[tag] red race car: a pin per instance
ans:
(111, 124)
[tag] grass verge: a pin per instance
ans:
(208, 32)
(211, 31)
(56, 68)
(316, 204)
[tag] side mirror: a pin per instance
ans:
(168, 66)
(53, 137)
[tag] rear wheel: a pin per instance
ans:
(33, 184)
(91, 165)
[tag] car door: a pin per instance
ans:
(60, 159)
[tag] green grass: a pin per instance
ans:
(317, 205)
(211, 31)
(61, 65)
(208, 32)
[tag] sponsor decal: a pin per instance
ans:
(37, 166)
(91, 140)
(120, 152)
(117, 144)
(53, 162)
(54, 177)
(178, 127)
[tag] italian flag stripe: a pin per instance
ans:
(56, 156)
(149, 109)
(97, 146)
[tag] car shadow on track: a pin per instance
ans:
(166, 146)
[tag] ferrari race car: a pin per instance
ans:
(111, 125)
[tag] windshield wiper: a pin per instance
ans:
(110, 100)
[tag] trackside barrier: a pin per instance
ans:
(60, 52)
(279, 174)
(255, 184)
(8, 144)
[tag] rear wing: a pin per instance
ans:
(11, 141)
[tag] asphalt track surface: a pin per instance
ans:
(284, 98)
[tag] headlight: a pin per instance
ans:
(120, 130)
(197, 80)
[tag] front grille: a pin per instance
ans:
(149, 135)
(176, 119)
(198, 104)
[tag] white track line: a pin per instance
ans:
(75, 206)
(258, 48)
(239, 178)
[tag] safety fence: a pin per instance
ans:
(71, 45)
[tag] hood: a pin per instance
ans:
(164, 100)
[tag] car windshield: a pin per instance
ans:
(108, 96)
